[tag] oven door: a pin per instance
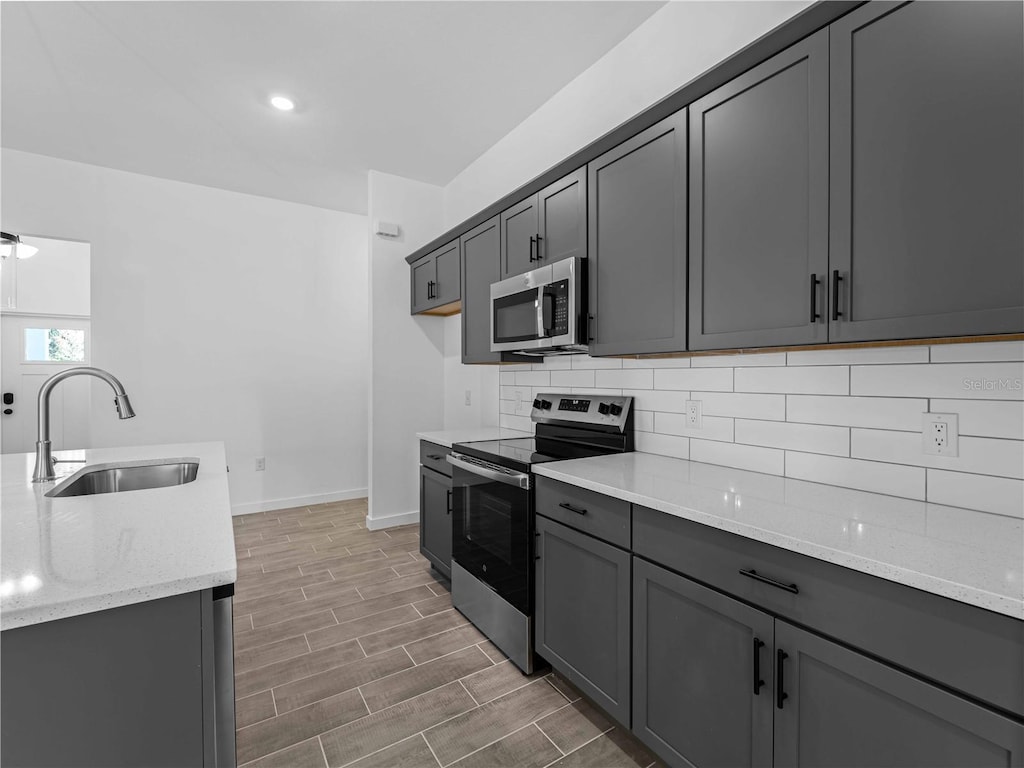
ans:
(492, 523)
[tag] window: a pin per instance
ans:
(54, 345)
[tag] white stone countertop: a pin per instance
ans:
(470, 435)
(69, 556)
(973, 557)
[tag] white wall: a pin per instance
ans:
(227, 316)
(679, 42)
(406, 393)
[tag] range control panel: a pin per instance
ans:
(610, 410)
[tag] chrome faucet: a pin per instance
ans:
(44, 470)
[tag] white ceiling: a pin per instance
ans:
(179, 89)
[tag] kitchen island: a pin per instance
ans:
(116, 614)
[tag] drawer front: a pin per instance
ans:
(433, 455)
(972, 650)
(602, 516)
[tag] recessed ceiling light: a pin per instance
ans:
(283, 103)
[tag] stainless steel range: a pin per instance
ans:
(493, 510)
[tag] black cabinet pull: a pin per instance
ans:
(539, 238)
(532, 241)
(430, 289)
(752, 574)
(434, 456)
(780, 693)
(836, 280)
(571, 508)
(814, 298)
(590, 327)
(449, 501)
(758, 682)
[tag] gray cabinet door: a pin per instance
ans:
(448, 285)
(436, 519)
(562, 219)
(759, 204)
(927, 145)
(696, 656)
(424, 273)
(843, 708)
(637, 243)
(519, 238)
(582, 614)
(481, 266)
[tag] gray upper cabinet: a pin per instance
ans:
(436, 283)
(835, 706)
(481, 266)
(582, 614)
(927, 116)
(759, 205)
(637, 243)
(562, 219)
(703, 676)
(519, 227)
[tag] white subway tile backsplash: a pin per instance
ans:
(664, 445)
(869, 356)
(754, 458)
(812, 438)
(742, 405)
(712, 427)
(840, 416)
(626, 378)
(999, 495)
(870, 412)
(643, 421)
(710, 379)
(978, 455)
(738, 361)
(874, 476)
(533, 378)
(990, 351)
(810, 380)
(572, 379)
(582, 362)
(981, 381)
(985, 418)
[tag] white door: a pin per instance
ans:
(33, 348)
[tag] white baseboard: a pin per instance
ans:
(402, 518)
(297, 501)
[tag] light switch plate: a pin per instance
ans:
(940, 434)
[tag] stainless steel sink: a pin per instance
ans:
(127, 477)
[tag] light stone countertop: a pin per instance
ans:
(974, 557)
(68, 556)
(449, 437)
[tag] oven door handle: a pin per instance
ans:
(518, 479)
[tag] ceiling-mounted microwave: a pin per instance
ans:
(541, 312)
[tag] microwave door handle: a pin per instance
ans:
(539, 305)
(547, 305)
(517, 479)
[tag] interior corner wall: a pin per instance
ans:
(228, 317)
(407, 368)
(673, 46)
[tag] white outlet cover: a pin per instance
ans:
(694, 414)
(930, 441)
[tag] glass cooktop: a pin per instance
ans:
(520, 453)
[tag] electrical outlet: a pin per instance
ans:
(469, 397)
(693, 414)
(940, 434)
(261, 463)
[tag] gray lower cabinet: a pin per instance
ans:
(436, 282)
(702, 672)
(127, 686)
(582, 614)
(835, 706)
(637, 243)
(759, 205)
(481, 266)
(927, 116)
(436, 519)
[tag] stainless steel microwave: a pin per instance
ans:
(541, 312)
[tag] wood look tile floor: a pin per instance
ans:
(348, 653)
